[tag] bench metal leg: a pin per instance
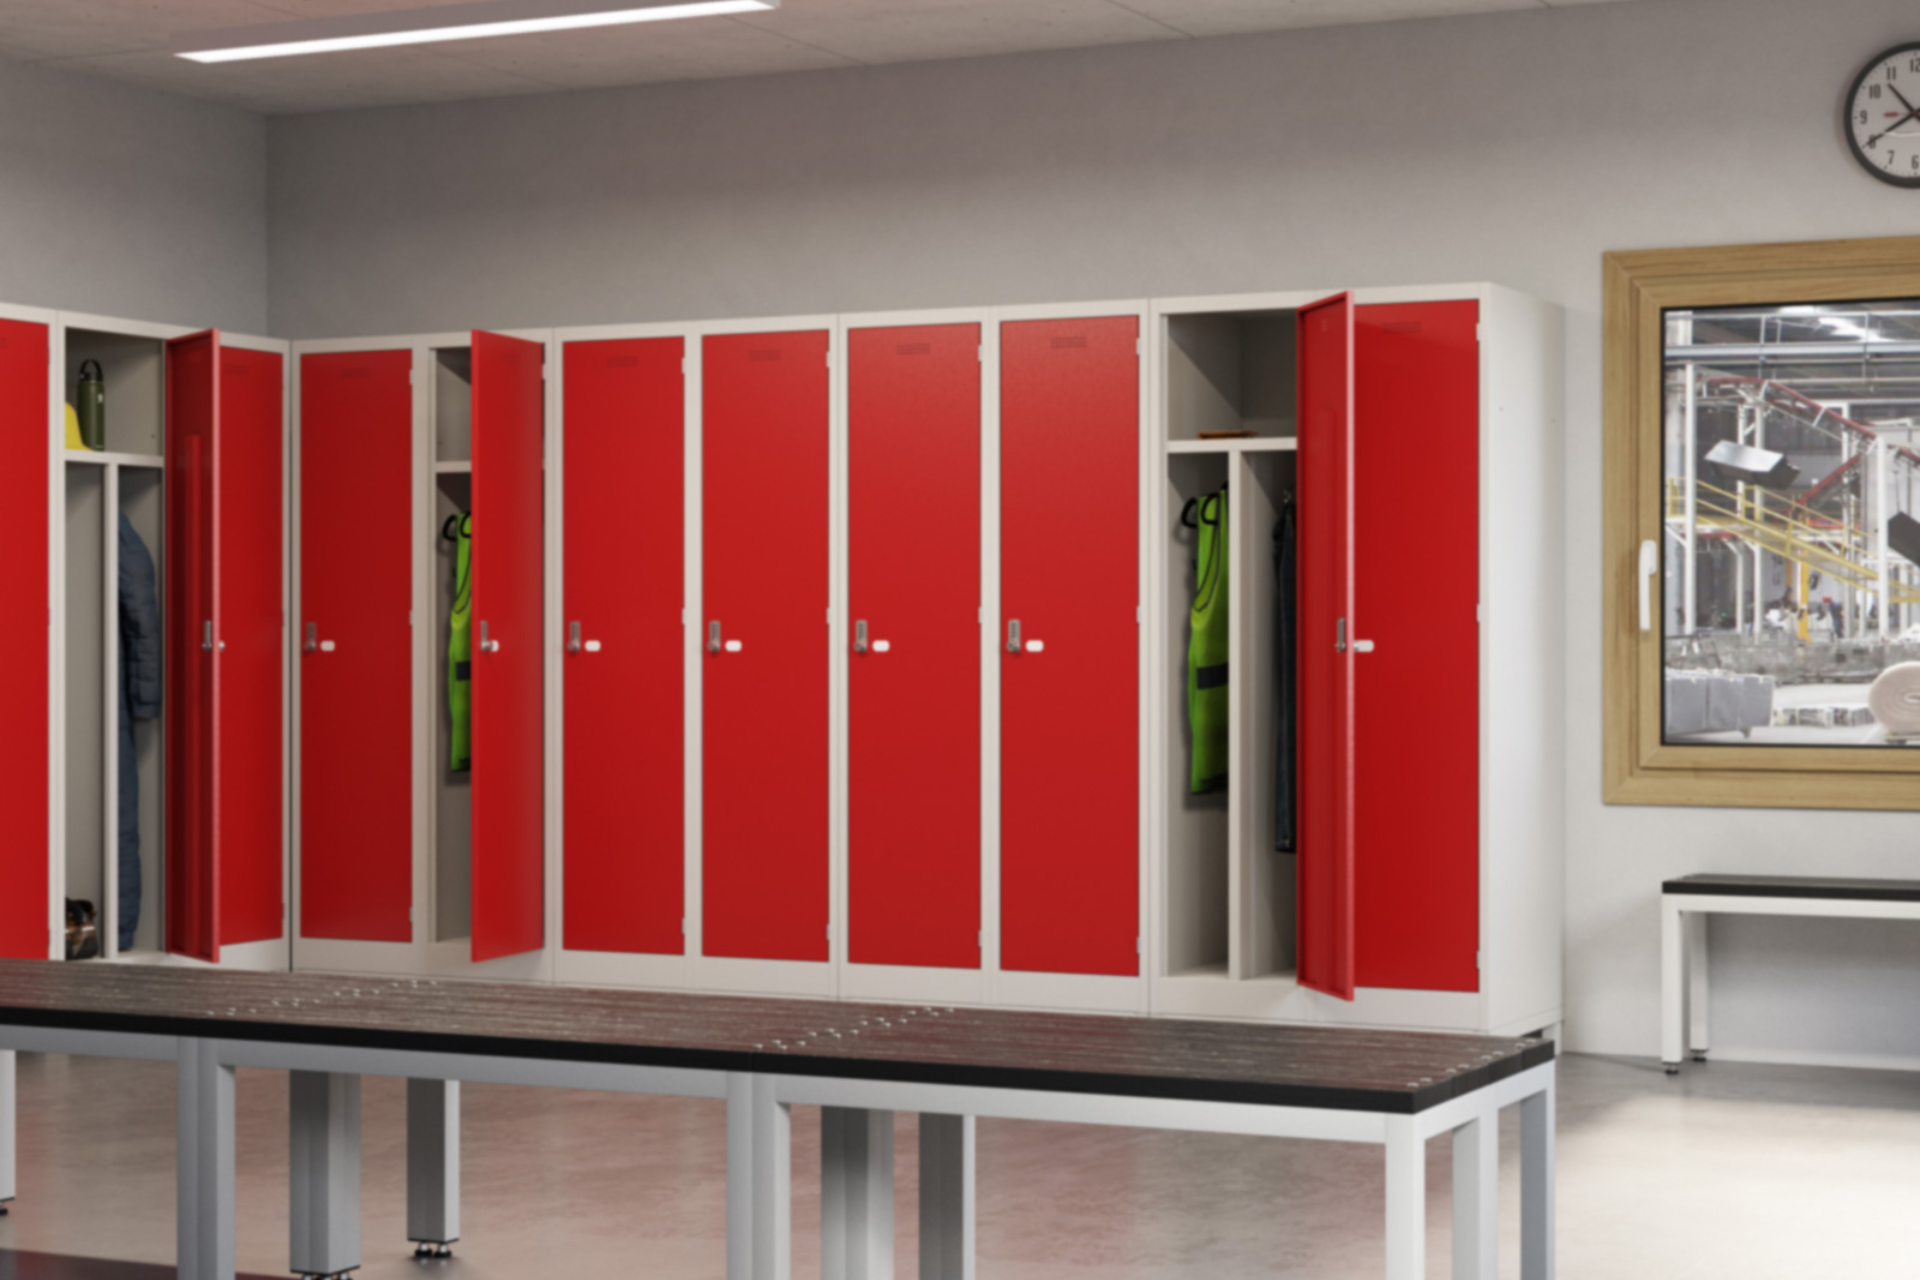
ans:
(1697, 987)
(759, 1181)
(856, 1194)
(325, 1168)
(1476, 1199)
(1406, 1200)
(1536, 1185)
(205, 1197)
(1673, 984)
(946, 1197)
(8, 1171)
(433, 1166)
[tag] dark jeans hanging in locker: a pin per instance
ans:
(1284, 570)
(140, 680)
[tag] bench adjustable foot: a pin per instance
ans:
(426, 1249)
(330, 1275)
(1699, 1055)
(1673, 1068)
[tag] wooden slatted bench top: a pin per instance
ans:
(1797, 887)
(1337, 1068)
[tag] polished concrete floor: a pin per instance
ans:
(1730, 1170)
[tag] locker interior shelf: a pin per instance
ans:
(1229, 371)
(464, 467)
(103, 458)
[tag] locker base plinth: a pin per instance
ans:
(425, 1249)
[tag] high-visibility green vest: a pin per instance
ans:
(1207, 693)
(460, 646)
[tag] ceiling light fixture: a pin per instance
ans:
(448, 22)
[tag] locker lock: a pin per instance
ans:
(312, 643)
(860, 636)
(486, 645)
(713, 637)
(573, 637)
(1013, 635)
(206, 638)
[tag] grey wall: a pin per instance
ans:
(1514, 148)
(123, 202)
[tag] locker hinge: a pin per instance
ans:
(1479, 331)
(1476, 613)
(1139, 346)
(980, 939)
(829, 615)
(1139, 947)
(683, 926)
(1476, 961)
(829, 932)
(409, 617)
(683, 622)
(1137, 618)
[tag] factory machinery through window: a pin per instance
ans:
(1790, 558)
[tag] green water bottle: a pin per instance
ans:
(90, 403)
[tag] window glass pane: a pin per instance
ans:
(1790, 558)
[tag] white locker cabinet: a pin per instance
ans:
(1419, 448)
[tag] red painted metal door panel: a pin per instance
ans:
(249, 749)
(625, 574)
(193, 388)
(509, 585)
(356, 664)
(1326, 622)
(24, 461)
(1069, 702)
(913, 553)
(1416, 485)
(764, 549)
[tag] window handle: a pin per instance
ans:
(1649, 567)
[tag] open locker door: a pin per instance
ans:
(509, 864)
(1325, 427)
(192, 695)
(24, 449)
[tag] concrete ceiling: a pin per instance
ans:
(127, 40)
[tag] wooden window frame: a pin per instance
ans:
(1639, 287)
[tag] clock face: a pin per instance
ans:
(1883, 116)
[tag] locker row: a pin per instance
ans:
(823, 656)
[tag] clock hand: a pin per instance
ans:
(1903, 97)
(1912, 114)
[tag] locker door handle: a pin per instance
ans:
(860, 636)
(1013, 635)
(313, 638)
(713, 637)
(1340, 636)
(486, 645)
(206, 637)
(573, 637)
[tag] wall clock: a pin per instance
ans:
(1883, 116)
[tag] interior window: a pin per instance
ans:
(1790, 557)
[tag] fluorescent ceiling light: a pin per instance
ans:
(449, 22)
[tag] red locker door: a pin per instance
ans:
(354, 619)
(1326, 629)
(1069, 699)
(24, 461)
(625, 573)
(250, 646)
(764, 556)
(913, 552)
(193, 388)
(1417, 884)
(509, 584)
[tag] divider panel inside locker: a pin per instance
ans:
(1326, 631)
(24, 673)
(1069, 703)
(250, 645)
(1416, 484)
(509, 863)
(191, 697)
(913, 552)
(764, 555)
(624, 541)
(356, 682)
